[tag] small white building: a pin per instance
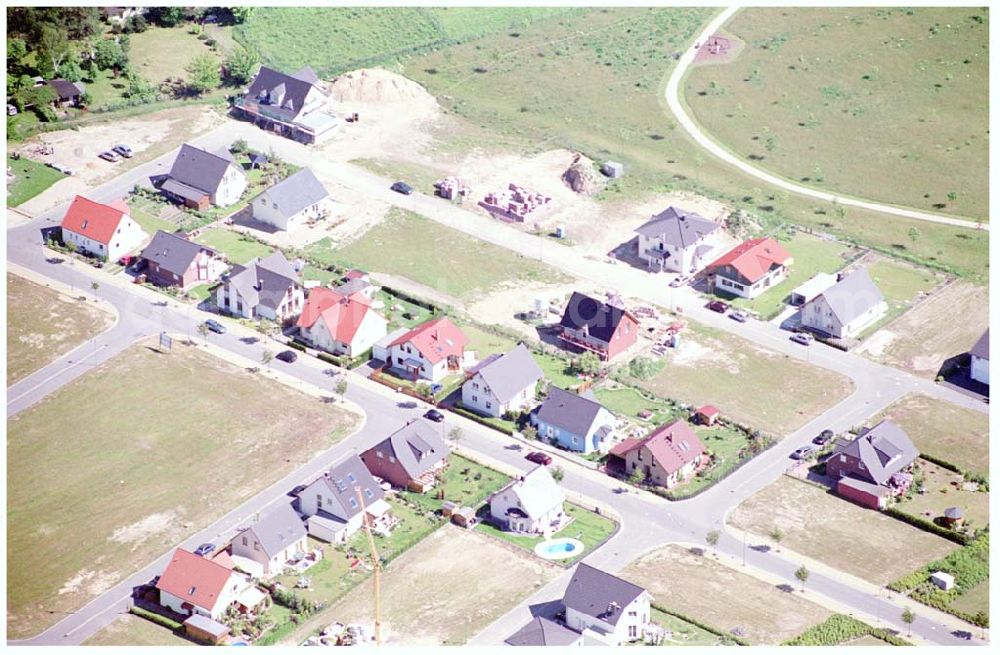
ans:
(943, 581)
(105, 231)
(502, 383)
(980, 359)
(847, 308)
(605, 607)
(531, 504)
(292, 202)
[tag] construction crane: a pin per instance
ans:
(376, 567)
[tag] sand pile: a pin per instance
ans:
(582, 177)
(377, 85)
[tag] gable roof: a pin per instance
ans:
(173, 252)
(435, 339)
(982, 347)
(342, 314)
(286, 94)
(296, 192)
(884, 450)
(66, 90)
(852, 296)
(595, 593)
(672, 446)
(541, 631)
(93, 219)
(568, 411)
(278, 529)
(507, 374)
(754, 258)
(200, 169)
(306, 74)
(677, 228)
(341, 480)
(417, 447)
(537, 492)
(599, 318)
(264, 281)
(196, 580)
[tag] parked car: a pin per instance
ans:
(739, 316)
(123, 150)
(539, 458)
(434, 415)
(204, 550)
(109, 155)
(65, 170)
(287, 356)
(215, 326)
(802, 337)
(718, 306)
(802, 453)
(294, 493)
(11, 110)
(680, 281)
(823, 437)
(402, 187)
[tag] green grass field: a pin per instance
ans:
(589, 528)
(627, 402)
(233, 245)
(812, 84)
(147, 50)
(132, 630)
(682, 632)
(448, 260)
(464, 481)
(30, 179)
(145, 212)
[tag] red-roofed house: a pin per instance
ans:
(106, 231)
(340, 324)
(198, 585)
(750, 268)
(429, 351)
(668, 456)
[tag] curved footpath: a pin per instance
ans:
(689, 125)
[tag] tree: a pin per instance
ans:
(637, 477)
(914, 234)
(712, 539)
(203, 331)
(70, 69)
(908, 618)
(17, 83)
(529, 432)
(241, 14)
(588, 363)
(558, 474)
(53, 48)
(266, 356)
(136, 24)
(110, 55)
(95, 286)
(239, 147)
(166, 16)
(341, 387)
(16, 51)
(776, 537)
(770, 144)
(642, 368)
(838, 210)
(204, 72)
(952, 196)
(241, 65)
(802, 574)
(139, 88)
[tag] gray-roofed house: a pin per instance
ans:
(292, 202)
(532, 504)
(199, 178)
(877, 458)
(276, 538)
(291, 105)
(411, 458)
(171, 260)
(604, 606)
(979, 367)
(67, 93)
(575, 422)
(675, 240)
(502, 383)
(541, 631)
(264, 288)
(848, 307)
(332, 507)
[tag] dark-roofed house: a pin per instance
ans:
(277, 537)
(199, 178)
(502, 383)
(67, 93)
(674, 240)
(333, 508)
(871, 467)
(845, 309)
(541, 631)
(979, 367)
(575, 422)
(411, 458)
(668, 456)
(291, 105)
(750, 268)
(532, 504)
(606, 607)
(171, 260)
(290, 203)
(264, 288)
(605, 328)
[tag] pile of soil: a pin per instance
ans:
(582, 176)
(379, 86)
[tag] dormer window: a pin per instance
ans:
(85, 222)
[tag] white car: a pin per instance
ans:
(680, 281)
(802, 337)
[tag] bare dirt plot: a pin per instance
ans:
(44, 324)
(131, 630)
(921, 340)
(706, 590)
(942, 429)
(447, 588)
(834, 531)
(89, 500)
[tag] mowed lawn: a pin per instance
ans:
(237, 248)
(945, 430)
(131, 630)
(588, 527)
(447, 588)
(758, 387)
(89, 500)
(147, 49)
(710, 592)
(434, 255)
(30, 179)
(827, 528)
(911, 83)
(944, 491)
(44, 324)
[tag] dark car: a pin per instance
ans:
(123, 150)
(287, 356)
(402, 187)
(539, 458)
(434, 415)
(204, 549)
(215, 326)
(718, 306)
(823, 437)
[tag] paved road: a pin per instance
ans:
(691, 127)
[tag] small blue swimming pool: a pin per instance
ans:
(559, 548)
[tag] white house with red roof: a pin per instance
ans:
(667, 457)
(106, 231)
(199, 585)
(429, 351)
(340, 324)
(750, 268)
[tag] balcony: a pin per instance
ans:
(568, 337)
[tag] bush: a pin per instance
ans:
(703, 626)
(482, 420)
(942, 463)
(159, 619)
(839, 629)
(927, 526)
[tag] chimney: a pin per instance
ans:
(613, 607)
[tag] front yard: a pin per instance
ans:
(30, 179)
(464, 481)
(944, 490)
(237, 248)
(589, 528)
(91, 500)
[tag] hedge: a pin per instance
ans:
(942, 463)
(159, 619)
(682, 495)
(707, 628)
(461, 411)
(839, 629)
(402, 295)
(927, 526)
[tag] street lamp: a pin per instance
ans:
(744, 547)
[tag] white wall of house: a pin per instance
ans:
(430, 372)
(635, 617)
(231, 188)
(236, 583)
(208, 268)
(817, 314)
(247, 545)
(372, 328)
(266, 211)
(734, 287)
(477, 396)
(505, 499)
(127, 237)
(228, 299)
(680, 261)
(980, 370)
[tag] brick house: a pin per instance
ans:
(411, 458)
(871, 468)
(171, 260)
(605, 328)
